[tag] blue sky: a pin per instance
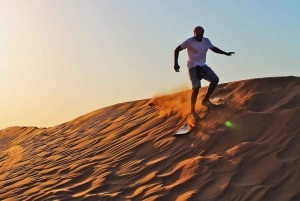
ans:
(63, 59)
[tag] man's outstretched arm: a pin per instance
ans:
(217, 50)
(176, 54)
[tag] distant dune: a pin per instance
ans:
(246, 149)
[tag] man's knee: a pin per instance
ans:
(216, 80)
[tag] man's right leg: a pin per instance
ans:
(196, 86)
(194, 100)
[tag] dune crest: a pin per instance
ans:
(245, 149)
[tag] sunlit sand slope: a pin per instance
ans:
(248, 148)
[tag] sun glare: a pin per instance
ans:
(228, 124)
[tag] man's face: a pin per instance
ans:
(199, 36)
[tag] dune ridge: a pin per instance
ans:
(127, 152)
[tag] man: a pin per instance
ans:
(197, 47)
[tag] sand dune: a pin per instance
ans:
(246, 149)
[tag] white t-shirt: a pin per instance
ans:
(196, 51)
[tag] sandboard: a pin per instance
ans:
(186, 128)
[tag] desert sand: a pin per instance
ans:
(245, 149)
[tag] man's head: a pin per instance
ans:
(198, 33)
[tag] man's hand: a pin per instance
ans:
(176, 67)
(176, 54)
(217, 50)
(229, 53)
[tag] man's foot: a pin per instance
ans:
(207, 103)
(193, 115)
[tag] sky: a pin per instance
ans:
(63, 59)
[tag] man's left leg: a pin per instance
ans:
(210, 76)
(212, 86)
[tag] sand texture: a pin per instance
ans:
(247, 148)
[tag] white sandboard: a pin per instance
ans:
(186, 128)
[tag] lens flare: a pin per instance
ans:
(228, 124)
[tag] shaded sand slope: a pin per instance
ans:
(127, 151)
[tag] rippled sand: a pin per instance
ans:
(248, 148)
